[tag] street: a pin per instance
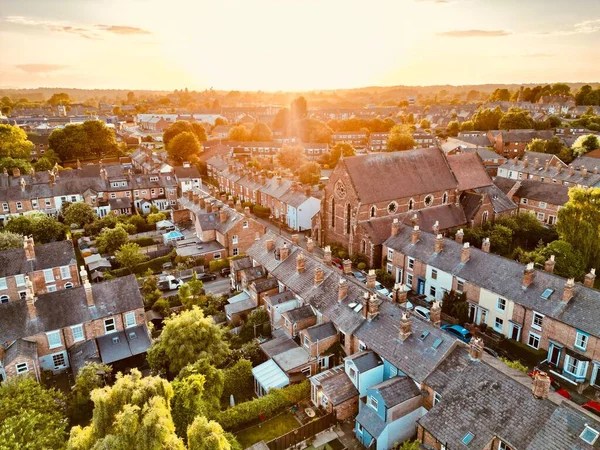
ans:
(218, 287)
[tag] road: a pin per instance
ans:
(218, 287)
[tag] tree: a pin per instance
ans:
(9, 240)
(92, 138)
(312, 130)
(79, 213)
(291, 157)
(59, 99)
(309, 173)
(111, 239)
(130, 255)
(182, 126)
(31, 417)
(91, 376)
(410, 445)
(579, 223)
(238, 381)
(568, 261)
(261, 133)
(184, 147)
(40, 226)
(516, 120)
(154, 218)
(500, 95)
(207, 435)
(43, 164)
(501, 239)
(150, 289)
(10, 164)
(585, 144)
(133, 413)
(487, 119)
(400, 139)
(186, 338)
(199, 131)
(192, 294)
(553, 146)
(14, 142)
(282, 120)
(337, 150)
(425, 124)
(467, 125)
(299, 108)
(453, 128)
(239, 133)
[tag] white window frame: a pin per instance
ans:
(535, 336)
(373, 403)
(19, 368)
(51, 287)
(595, 432)
(129, 319)
(533, 320)
(501, 304)
(460, 283)
(409, 279)
(306, 371)
(390, 254)
(19, 205)
(75, 328)
(434, 274)
(114, 324)
(581, 340)
(3, 285)
(49, 276)
(306, 341)
(65, 272)
(20, 280)
(437, 397)
(499, 329)
(235, 239)
(411, 263)
(53, 335)
(4, 298)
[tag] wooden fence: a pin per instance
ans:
(301, 434)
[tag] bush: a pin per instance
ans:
(361, 266)
(162, 307)
(143, 241)
(238, 381)
(218, 264)
(154, 264)
(523, 351)
(385, 278)
(514, 364)
(267, 406)
(261, 211)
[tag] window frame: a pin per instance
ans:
(373, 403)
(52, 335)
(46, 275)
(126, 317)
(65, 270)
(501, 304)
(114, 324)
(410, 263)
(20, 371)
(534, 316)
(496, 319)
(585, 340)
(77, 327)
(534, 336)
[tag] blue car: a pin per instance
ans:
(459, 332)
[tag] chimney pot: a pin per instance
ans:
(89, 297)
(270, 245)
(347, 266)
(528, 275)
(485, 245)
(319, 274)
(310, 245)
(439, 243)
(342, 289)
(568, 291)
(29, 247)
(327, 255)
(405, 326)
(395, 227)
(590, 278)
(546, 166)
(83, 275)
(549, 264)
(526, 161)
(476, 348)
(584, 171)
(373, 303)
(436, 228)
(223, 215)
(284, 251)
(571, 170)
(465, 252)
(300, 260)
(540, 386)
(536, 163)
(459, 236)
(295, 239)
(371, 279)
(416, 234)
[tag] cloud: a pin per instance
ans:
(474, 33)
(585, 27)
(87, 32)
(122, 29)
(41, 68)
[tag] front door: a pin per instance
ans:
(595, 380)
(421, 286)
(554, 353)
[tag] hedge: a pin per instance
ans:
(267, 406)
(154, 264)
(523, 351)
(143, 241)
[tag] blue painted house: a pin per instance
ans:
(388, 413)
(364, 369)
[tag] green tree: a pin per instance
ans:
(515, 120)
(11, 163)
(9, 240)
(309, 173)
(585, 144)
(91, 376)
(111, 239)
(467, 125)
(207, 435)
(579, 223)
(184, 147)
(282, 120)
(100, 140)
(487, 119)
(192, 294)
(150, 289)
(261, 133)
(43, 164)
(568, 261)
(186, 338)
(453, 128)
(79, 141)
(154, 218)
(238, 381)
(312, 130)
(257, 324)
(79, 213)
(291, 157)
(182, 126)
(337, 150)
(31, 417)
(410, 445)
(200, 132)
(501, 239)
(299, 109)
(14, 142)
(239, 133)
(400, 139)
(130, 255)
(59, 99)
(500, 95)
(40, 226)
(133, 413)
(425, 124)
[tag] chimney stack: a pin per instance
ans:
(536, 163)
(373, 307)
(416, 234)
(89, 297)
(590, 278)
(401, 294)
(595, 170)
(190, 195)
(295, 239)
(583, 171)
(319, 276)
(571, 170)
(371, 279)
(30, 299)
(405, 326)
(202, 203)
(342, 289)
(347, 266)
(549, 264)
(485, 245)
(222, 215)
(395, 227)
(83, 275)
(435, 314)
(476, 348)
(559, 168)
(568, 292)
(238, 206)
(230, 202)
(365, 303)
(214, 207)
(414, 220)
(459, 236)
(436, 228)
(270, 245)
(528, 275)
(310, 245)
(300, 260)
(284, 251)
(526, 161)
(439, 243)
(327, 255)
(29, 247)
(547, 166)
(23, 184)
(465, 252)
(16, 172)
(247, 211)
(540, 386)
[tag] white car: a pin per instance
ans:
(381, 289)
(422, 312)
(409, 305)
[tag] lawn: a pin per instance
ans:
(269, 430)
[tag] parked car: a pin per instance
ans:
(592, 406)
(409, 305)
(337, 263)
(207, 276)
(422, 312)
(381, 289)
(360, 276)
(457, 331)
(225, 271)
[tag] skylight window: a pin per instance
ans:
(468, 438)
(547, 293)
(352, 305)
(132, 335)
(424, 334)
(589, 435)
(437, 343)
(358, 308)
(115, 340)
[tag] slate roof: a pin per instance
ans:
(20, 348)
(365, 361)
(369, 419)
(241, 263)
(63, 308)
(123, 344)
(553, 193)
(265, 285)
(241, 306)
(525, 135)
(119, 203)
(589, 162)
(186, 172)
(301, 313)
(282, 297)
(591, 179)
(469, 171)
(53, 254)
(397, 390)
(387, 176)
(278, 345)
(338, 387)
(500, 202)
(321, 331)
(210, 220)
(254, 273)
(504, 277)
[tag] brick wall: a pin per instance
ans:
(321, 348)
(346, 409)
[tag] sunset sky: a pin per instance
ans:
(295, 44)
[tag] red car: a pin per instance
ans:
(593, 407)
(337, 263)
